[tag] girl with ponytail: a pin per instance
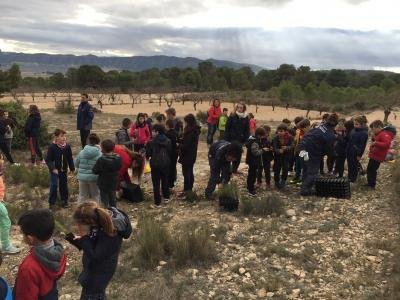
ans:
(100, 233)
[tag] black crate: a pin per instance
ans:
(333, 187)
(228, 203)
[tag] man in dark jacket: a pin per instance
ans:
(84, 118)
(237, 129)
(159, 153)
(314, 145)
(220, 156)
(107, 167)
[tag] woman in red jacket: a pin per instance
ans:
(140, 133)
(212, 121)
(380, 146)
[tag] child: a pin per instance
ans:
(39, 271)
(254, 158)
(122, 135)
(58, 160)
(32, 132)
(140, 133)
(381, 141)
(10, 124)
(213, 113)
(188, 151)
(178, 125)
(100, 234)
(340, 149)
(85, 162)
(222, 123)
(252, 124)
(5, 223)
(149, 123)
(302, 128)
(107, 167)
(356, 146)
(160, 120)
(267, 156)
(282, 144)
(5, 290)
(292, 131)
(173, 137)
(159, 152)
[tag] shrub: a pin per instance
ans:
(33, 177)
(192, 197)
(202, 116)
(65, 107)
(20, 114)
(271, 205)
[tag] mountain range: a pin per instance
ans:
(43, 63)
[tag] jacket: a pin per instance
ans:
(319, 141)
(341, 145)
(59, 158)
(222, 122)
(141, 133)
(381, 144)
(122, 138)
(85, 162)
(159, 151)
(84, 116)
(38, 273)
(237, 129)
(32, 125)
(217, 152)
(213, 115)
(254, 152)
(126, 163)
(299, 134)
(107, 167)
(173, 137)
(2, 188)
(358, 139)
(252, 126)
(188, 147)
(278, 143)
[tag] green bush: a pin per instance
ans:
(202, 116)
(270, 205)
(33, 177)
(65, 107)
(17, 111)
(229, 190)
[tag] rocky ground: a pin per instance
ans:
(320, 248)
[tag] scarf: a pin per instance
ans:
(61, 145)
(241, 115)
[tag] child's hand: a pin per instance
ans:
(55, 171)
(266, 149)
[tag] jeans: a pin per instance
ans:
(108, 198)
(58, 181)
(310, 173)
(5, 225)
(8, 143)
(266, 167)
(89, 296)
(217, 171)
(330, 162)
(160, 175)
(34, 147)
(5, 150)
(372, 171)
(84, 135)
(281, 168)
(172, 172)
(210, 132)
(88, 190)
(188, 177)
(339, 165)
(353, 167)
(251, 177)
(298, 167)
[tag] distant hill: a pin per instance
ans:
(42, 63)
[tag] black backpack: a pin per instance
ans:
(132, 193)
(121, 222)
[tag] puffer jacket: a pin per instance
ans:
(140, 132)
(85, 162)
(381, 143)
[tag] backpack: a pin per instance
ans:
(5, 290)
(121, 222)
(132, 193)
(160, 157)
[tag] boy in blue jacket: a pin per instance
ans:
(357, 142)
(59, 159)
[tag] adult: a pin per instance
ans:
(178, 125)
(220, 156)
(32, 132)
(214, 112)
(3, 144)
(317, 143)
(140, 133)
(10, 123)
(238, 129)
(84, 118)
(188, 151)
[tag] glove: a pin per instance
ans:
(304, 155)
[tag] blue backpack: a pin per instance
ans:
(5, 290)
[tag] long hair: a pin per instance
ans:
(91, 214)
(33, 109)
(191, 122)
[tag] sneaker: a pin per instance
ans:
(52, 206)
(155, 206)
(294, 181)
(181, 195)
(16, 164)
(11, 250)
(166, 200)
(209, 197)
(252, 193)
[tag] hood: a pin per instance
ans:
(109, 162)
(390, 129)
(121, 222)
(161, 139)
(52, 259)
(90, 152)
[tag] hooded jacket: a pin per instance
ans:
(213, 115)
(254, 152)
(358, 139)
(188, 147)
(126, 163)
(32, 125)
(217, 152)
(285, 141)
(38, 273)
(84, 116)
(107, 167)
(122, 138)
(381, 144)
(319, 141)
(159, 151)
(140, 132)
(100, 252)
(85, 162)
(237, 128)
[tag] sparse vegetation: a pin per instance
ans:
(64, 107)
(202, 116)
(265, 206)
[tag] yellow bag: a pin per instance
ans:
(147, 168)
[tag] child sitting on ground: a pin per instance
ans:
(107, 167)
(282, 144)
(39, 271)
(5, 223)
(58, 160)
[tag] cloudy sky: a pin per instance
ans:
(362, 34)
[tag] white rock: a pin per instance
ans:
(296, 292)
(270, 294)
(290, 212)
(372, 258)
(252, 256)
(241, 295)
(312, 231)
(162, 263)
(242, 271)
(262, 293)
(247, 275)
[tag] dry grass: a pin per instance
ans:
(269, 205)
